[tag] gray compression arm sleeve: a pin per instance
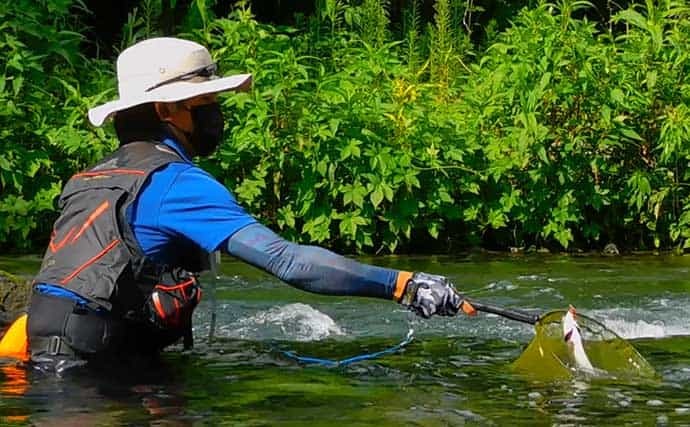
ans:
(310, 268)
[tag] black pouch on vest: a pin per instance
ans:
(170, 306)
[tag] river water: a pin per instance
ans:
(455, 372)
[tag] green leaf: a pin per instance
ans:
(631, 134)
(564, 237)
(618, 96)
(349, 222)
(285, 218)
(17, 84)
(471, 213)
(354, 193)
(333, 124)
(376, 196)
(496, 218)
(322, 167)
(5, 163)
(387, 192)
(351, 149)
(318, 228)
(433, 229)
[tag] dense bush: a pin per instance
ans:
(357, 135)
(43, 86)
(557, 132)
(585, 133)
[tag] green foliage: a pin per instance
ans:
(141, 23)
(555, 132)
(591, 125)
(412, 23)
(374, 21)
(43, 115)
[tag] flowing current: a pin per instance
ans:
(455, 372)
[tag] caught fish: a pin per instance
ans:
(571, 335)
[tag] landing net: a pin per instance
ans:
(548, 357)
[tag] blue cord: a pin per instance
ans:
(347, 361)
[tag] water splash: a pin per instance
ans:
(643, 329)
(656, 321)
(501, 285)
(293, 322)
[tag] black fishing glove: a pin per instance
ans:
(429, 294)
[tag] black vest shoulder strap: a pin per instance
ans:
(127, 168)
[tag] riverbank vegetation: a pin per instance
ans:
(431, 130)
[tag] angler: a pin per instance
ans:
(120, 274)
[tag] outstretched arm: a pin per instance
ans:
(200, 209)
(191, 205)
(312, 268)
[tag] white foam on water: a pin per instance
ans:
(298, 322)
(642, 323)
(501, 285)
(643, 329)
(531, 277)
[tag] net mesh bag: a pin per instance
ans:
(548, 355)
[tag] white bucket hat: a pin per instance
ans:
(165, 69)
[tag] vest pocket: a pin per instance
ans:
(170, 306)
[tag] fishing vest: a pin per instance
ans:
(92, 249)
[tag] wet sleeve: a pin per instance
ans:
(311, 268)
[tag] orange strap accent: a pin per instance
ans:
(401, 284)
(89, 262)
(158, 305)
(94, 215)
(56, 246)
(15, 343)
(106, 172)
(177, 286)
(468, 309)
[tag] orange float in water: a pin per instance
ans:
(14, 343)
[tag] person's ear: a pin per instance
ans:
(162, 110)
(166, 110)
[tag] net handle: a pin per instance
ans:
(508, 313)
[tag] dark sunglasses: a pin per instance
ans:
(205, 71)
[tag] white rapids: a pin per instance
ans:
(297, 321)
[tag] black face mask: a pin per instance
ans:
(208, 128)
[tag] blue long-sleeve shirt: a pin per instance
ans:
(181, 203)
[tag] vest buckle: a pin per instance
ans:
(54, 345)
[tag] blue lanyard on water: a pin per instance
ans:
(307, 360)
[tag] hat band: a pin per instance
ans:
(205, 71)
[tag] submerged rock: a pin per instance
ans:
(14, 296)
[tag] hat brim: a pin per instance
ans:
(172, 92)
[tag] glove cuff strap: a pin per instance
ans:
(401, 285)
